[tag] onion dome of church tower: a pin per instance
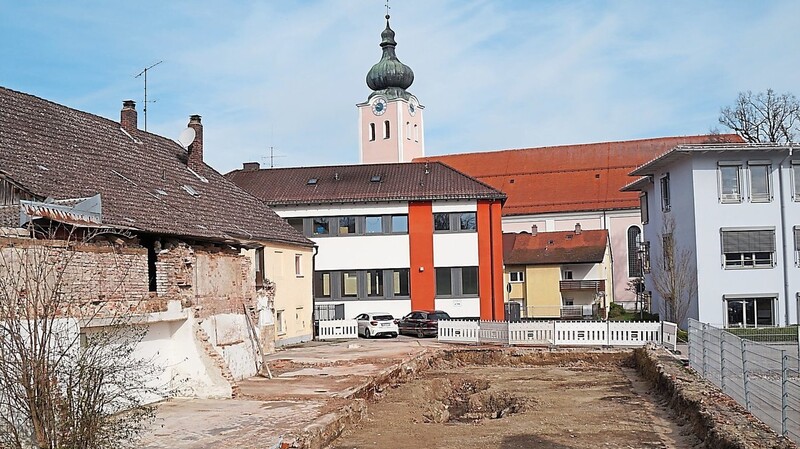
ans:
(389, 75)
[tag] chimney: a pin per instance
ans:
(577, 228)
(128, 119)
(196, 147)
(251, 166)
(534, 229)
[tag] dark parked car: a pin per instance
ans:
(422, 323)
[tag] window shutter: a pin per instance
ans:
(760, 241)
(797, 238)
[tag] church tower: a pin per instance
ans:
(390, 121)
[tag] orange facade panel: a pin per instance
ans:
(490, 260)
(420, 236)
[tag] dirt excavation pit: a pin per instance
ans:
(521, 399)
(466, 400)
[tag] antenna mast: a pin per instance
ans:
(144, 72)
(272, 156)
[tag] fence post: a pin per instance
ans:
(705, 355)
(784, 394)
(745, 381)
(722, 361)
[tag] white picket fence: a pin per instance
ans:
(337, 329)
(558, 333)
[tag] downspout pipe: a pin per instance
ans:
(314, 292)
(784, 240)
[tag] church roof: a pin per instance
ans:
(389, 76)
(567, 178)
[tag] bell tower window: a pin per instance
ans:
(371, 132)
(386, 133)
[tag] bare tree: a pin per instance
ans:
(64, 384)
(763, 117)
(674, 277)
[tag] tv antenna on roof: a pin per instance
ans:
(272, 157)
(144, 72)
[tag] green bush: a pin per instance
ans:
(615, 310)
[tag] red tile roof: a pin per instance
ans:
(54, 151)
(360, 183)
(567, 178)
(551, 248)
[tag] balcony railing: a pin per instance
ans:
(585, 284)
(563, 312)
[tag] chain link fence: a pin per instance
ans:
(764, 378)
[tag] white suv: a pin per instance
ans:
(374, 324)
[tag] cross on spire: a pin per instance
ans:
(387, 8)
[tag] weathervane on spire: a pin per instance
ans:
(387, 9)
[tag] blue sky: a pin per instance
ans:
(491, 74)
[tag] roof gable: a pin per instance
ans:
(561, 247)
(144, 180)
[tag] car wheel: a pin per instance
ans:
(420, 334)
(366, 333)
(394, 335)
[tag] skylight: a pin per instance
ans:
(311, 181)
(375, 178)
(190, 190)
(201, 178)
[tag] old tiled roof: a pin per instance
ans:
(359, 183)
(567, 178)
(53, 151)
(550, 248)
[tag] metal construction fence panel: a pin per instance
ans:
(459, 331)
(763, 378)
(337, 329)
(494, 332)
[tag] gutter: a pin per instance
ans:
(784, 240)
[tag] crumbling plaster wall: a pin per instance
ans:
(198, 317)
(216, 284)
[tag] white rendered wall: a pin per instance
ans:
(395, 307)
(335, 210)
(460, 307)
(455, 249)
(699, 215)
(362, 252)
(715, 281)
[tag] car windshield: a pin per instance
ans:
(382, 317)
(439, 316)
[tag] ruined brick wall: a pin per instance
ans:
(209, 278)
(104, 276)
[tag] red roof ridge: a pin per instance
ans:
(586, 144)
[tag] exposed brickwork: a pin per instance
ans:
(219, 361)
(109, 277)
(103, 278)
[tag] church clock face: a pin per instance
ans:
(412, 108)
(379, 106)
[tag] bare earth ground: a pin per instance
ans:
(577, 405)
